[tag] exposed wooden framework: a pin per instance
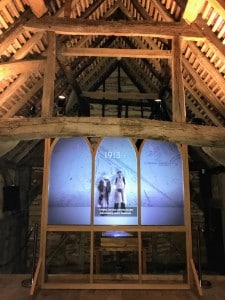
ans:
(18, 67)
(121, 95)
(186, 72)
(118, 28)
(49, 77)
(182, 133)
(192, 10)
(38, 7)
(107, 52)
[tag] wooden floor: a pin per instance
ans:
(11, 289)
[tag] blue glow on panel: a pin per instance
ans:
(162, 195)
(70, 182)
(115, 154)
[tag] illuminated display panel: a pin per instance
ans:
(162, 195)
(70, 182)
(115, 184)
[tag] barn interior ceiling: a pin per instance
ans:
(113, 59)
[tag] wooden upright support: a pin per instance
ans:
(179, 115)
(49, 78)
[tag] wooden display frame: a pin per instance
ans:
(102, 281)
(144, 281)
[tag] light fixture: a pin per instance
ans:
(62, 97)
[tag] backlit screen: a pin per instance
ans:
(161, 184)
(70, 182)
(115, 186)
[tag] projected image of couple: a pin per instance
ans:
(105, 187)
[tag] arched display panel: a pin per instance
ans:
(69, 195)
(115, 185)
(161, 181)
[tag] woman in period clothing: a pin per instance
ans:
(104, 188)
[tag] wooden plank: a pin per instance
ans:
(132, 285)
(210, 36)
(112, 52)
(114, 28)
(182, 133)
(13, 110)
(18, 67)
(203, 88)
(21, 79)
(38, 7)
(122, 95)
(192, 9)
(211, 40)
(30, 44)
(11, 35)
(196, 280)
(141, 10)
(11, 289)
(214, 119)
(44, 209)
(92, 8)
(67, 8)
(99, 228)
(219, 6)
(178, 96)
(68, 73)
(128, 13)
(35, 279)
(49, 77)
(201, 85)
(119, 244)
(187, 208)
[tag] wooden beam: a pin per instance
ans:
(7, 93)
(112, 52)
(38, 7)
(11, 35)
(178, 99)
(67, 70)
(92, 8)
(141, 10)
(49, 77)
(19, 67)
(101, 68)
(203, 88)
(128, 13)
(214, 73)
(28, 47)
(67, 8)
(192, 9)
(115, 95)
(182, 133)
(219, 6)
(114, 28)
(195, 109)
(23, 100)
(212, 40)
(162, 11)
